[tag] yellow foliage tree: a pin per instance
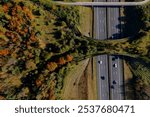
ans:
(52, 66)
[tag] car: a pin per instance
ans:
(112, 36)
(100, 62)
(114, 65)
(114, 58)
(103, 77)
(114, 82)
(112, 87)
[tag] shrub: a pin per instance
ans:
(61, 61)
(51, 66)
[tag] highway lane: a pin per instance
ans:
(115, 63)
(105, 22)
(100, 30)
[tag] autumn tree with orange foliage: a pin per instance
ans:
(28, 12)
(61, 61)
(18, 22)
(69, 58)
(4, 52)
(32, 36)
(11, 35)
(52, 89)
(5, 8)
(52, 66)
(38, 82)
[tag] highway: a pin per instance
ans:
(100, 30)
(115, 63)
(109, 68)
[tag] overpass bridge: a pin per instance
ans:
(92, 4)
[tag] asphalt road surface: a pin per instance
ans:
(115, 63)
(109, 68)
(100, 32)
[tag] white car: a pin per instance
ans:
(100, 62)
(115, 65)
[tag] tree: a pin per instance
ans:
(4, 52)
(69, 58)
(61, 61)
(51, 66)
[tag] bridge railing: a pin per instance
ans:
(103, 3)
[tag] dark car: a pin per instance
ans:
(102, 77)
(113, 37)
(115, 65)
(114, 82)
(112, 87)
(100, 62)
(114, 58)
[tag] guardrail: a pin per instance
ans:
(102, 3)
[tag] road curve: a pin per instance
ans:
(102, 3)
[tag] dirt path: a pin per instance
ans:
(71, 85)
